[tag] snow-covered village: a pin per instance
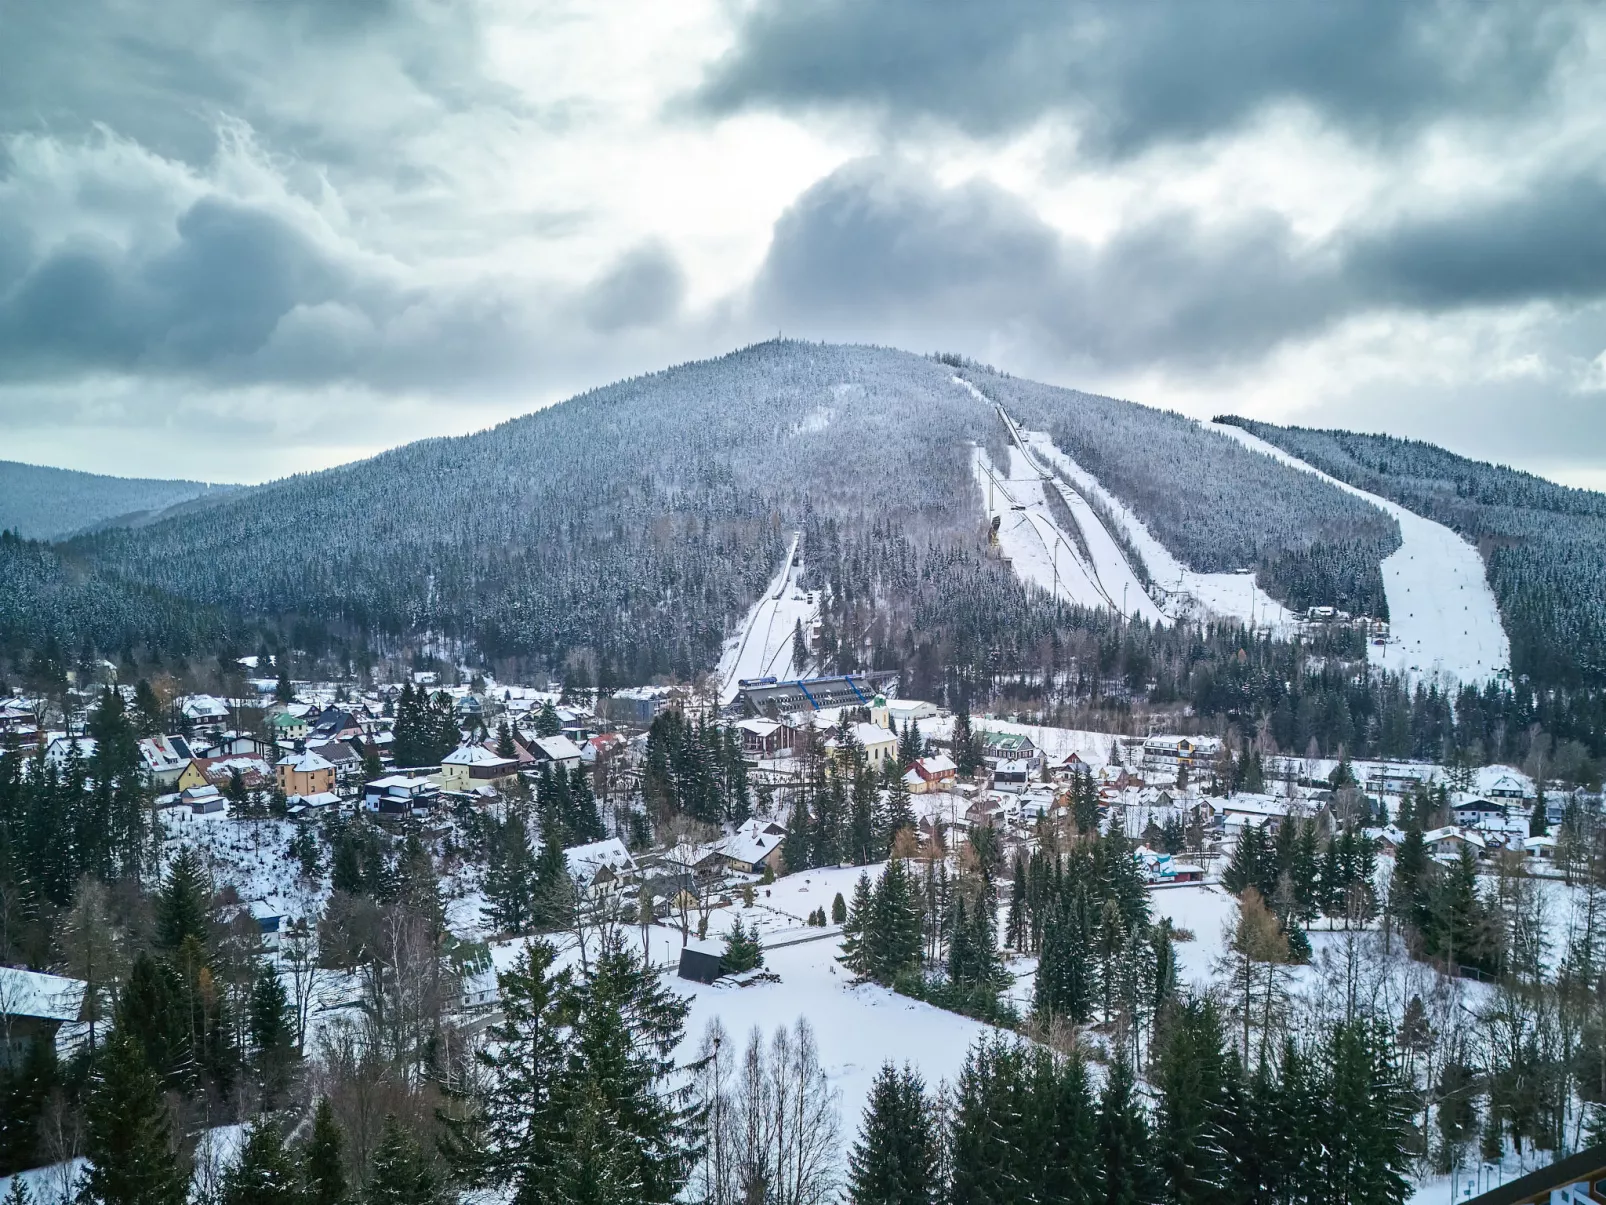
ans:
(802, 602)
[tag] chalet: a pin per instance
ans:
(604, 867)
(232, 744)
(1396, 779)
(164, 758)
(601, 747)
(1012, 776)
(763, 738)
(335, 724)
(928, 774)
(345, 756)
(1008, 747)
(473, 766)
(308, 773)
(204, 713)
(1509, 786)
(753, 847)
(33, 1008)
(61, 746)
(19, 724)
(400, 795)
(255, 774)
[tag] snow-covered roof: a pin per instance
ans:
(871, 734)
(34, 994)
(585, 861)
(474, 755)
(760, 728)
(938, 763)
(204, 707)
(557, 748)
(306, 763)
(164, 752)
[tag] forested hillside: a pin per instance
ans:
(1216, 505)
(47, 504)
(1544, 544)
(628, 527)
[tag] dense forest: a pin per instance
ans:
(626, 529)
(1544, 544)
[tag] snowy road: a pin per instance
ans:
(764, 645)
(1442, 614)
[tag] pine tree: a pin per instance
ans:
(900, 810)
(150, 1013)
(1189, 1073)
(894, 1161)
(854, 954)
(839, 910)
(272, 1037)
(400, 1172)
(504, 740)
(264, 1173)
(797, 847)
(182, 906)
(742, 950)
(323, 1168)
(1015, 926)
(128, 1137)
(510, 877)
(1539, 819)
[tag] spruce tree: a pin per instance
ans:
(264, 1174)
(182, 905)
(1123, 1140)
(854, 954)
(510, 877)
(128, 1135)
(1189, 1075)
(797, 847)
(272, 1029)
(894, 1161)
(742, 950)
(839, 910)
(323, 1167)
(399, 1172)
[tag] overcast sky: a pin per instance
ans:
(239, 240)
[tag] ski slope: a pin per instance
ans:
(1187, 594)
(1442, 614)
(764, 644)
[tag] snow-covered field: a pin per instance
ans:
(1230, 595)
(1442, 613)
(764, 644)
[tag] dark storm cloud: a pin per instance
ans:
(1143, 72)
(1545, 243)
(644, 287)
(882, 245)
(215, 294)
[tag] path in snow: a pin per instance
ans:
(1442, 614)
(1188, 593)
(764, 645)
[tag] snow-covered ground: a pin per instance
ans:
(764, 645)
(1187, 593)
(1442, 613)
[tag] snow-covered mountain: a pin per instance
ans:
(634, 528)
(48, 504)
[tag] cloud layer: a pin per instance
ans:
(295, 235)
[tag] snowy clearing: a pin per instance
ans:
(1442, 614)
(764, 645)
(1187, 594)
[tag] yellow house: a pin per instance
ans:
(192, 775)
(474, 766)
(305, 774)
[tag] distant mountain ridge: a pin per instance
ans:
(42, 503)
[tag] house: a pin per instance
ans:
(400, 795)
(308, 773)
(754, 847)
(701, 961)
(763, 738)
(334, 723)
(638, 705)
(1475, 811)
(904, 712)
(928, 774)
(1012, 776)
(1542, 848)
(602, 746)
(1008, 747)
(19, 723)
(302, 805)
(287, 726)
(164, 758)
(1446, 843)
(604, 867)
(555, 753)
(1258, 809)
(471, 766)
(255, 774)
(343, 755)
(204, 712)
(33, 1008)
(1509, 786)
(1397, 779)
